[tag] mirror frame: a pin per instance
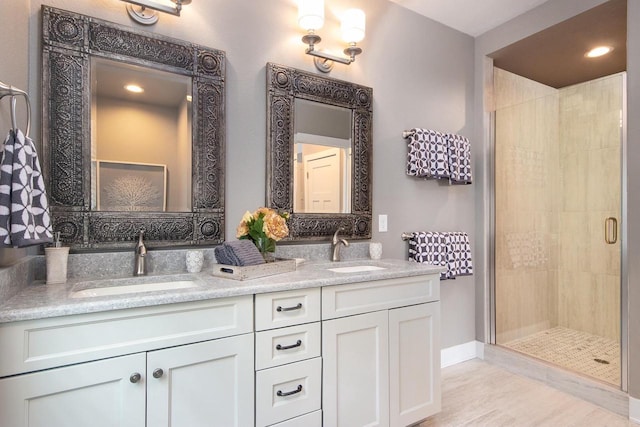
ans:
(284, 85)
(69, 40)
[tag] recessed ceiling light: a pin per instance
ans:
(598, 51)
(134, 88)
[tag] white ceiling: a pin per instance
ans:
(472, 17)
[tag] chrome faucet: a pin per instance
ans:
(335, 245)
(140, 267)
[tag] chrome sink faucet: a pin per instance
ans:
(336, 242)
(140, 267)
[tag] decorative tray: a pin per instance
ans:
(236, 272)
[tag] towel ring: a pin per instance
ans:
(14, 118)
(6, 90)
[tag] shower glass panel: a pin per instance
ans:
(557, 215)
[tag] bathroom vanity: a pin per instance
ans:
(318, 346)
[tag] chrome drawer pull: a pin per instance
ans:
(289, 393)
(287, 347)
(297, 307)
(135, 377)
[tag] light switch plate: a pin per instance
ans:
(382, 223)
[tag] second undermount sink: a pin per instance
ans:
(356, 269)
(99, 291)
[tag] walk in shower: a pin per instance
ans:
(557, 231)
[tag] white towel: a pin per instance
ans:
(24, 210)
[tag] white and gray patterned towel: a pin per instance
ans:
(446, 249)
(439, 155)
(459, 150)
(428, 156)
(24, 209)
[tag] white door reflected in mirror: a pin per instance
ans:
(322, 158)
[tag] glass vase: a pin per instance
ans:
(267, 248)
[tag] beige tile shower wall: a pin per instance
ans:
(589, 274)
(527, 172)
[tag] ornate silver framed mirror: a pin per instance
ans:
(101, 200)
(320, 202)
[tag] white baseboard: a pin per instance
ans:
(634, 409)
(460, 353)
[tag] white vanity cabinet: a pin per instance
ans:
(97, 394)
(365, 353)
(381, 352)
(179, 364)
(288, 362)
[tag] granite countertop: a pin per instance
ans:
(38, 300)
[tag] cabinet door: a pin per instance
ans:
(203, 384)
(355, 374)
(414, 363)
(96, 394)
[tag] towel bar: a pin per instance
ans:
(407, 133)
(406, 236)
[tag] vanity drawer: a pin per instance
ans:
(288, 391)
(313, 419)
(279, 309)
(46, 343)
(358, 298)
(286, 345)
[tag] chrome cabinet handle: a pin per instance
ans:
(287, 347)
(289, 393)
(296, 307)
(610, 230)
(158, 373)
(135, 377)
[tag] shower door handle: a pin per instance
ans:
(610, 230)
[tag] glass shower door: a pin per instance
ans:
(557, 212)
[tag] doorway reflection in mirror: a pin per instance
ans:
(322, 158)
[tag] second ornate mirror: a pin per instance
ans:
(319, 153)
(119, 162)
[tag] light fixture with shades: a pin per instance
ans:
(137, 9)
(311, 19)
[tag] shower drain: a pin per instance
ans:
(604, 362)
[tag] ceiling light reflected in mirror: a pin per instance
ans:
(134, 88)
(599, 51)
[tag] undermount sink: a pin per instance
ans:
(356, 269)
(100, 291)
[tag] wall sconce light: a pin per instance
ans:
(311, 19)
(138, 9)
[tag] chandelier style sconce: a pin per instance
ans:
(138, 9)
(311, 19)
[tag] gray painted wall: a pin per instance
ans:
(550, 13)
(421, 73)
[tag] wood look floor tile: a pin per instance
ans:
(476, 393)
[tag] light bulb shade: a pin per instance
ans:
(311, 14)
(352, 27)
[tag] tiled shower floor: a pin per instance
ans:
(574, 350)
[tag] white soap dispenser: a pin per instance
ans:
(56, 258)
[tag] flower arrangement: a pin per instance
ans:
(264, 227)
